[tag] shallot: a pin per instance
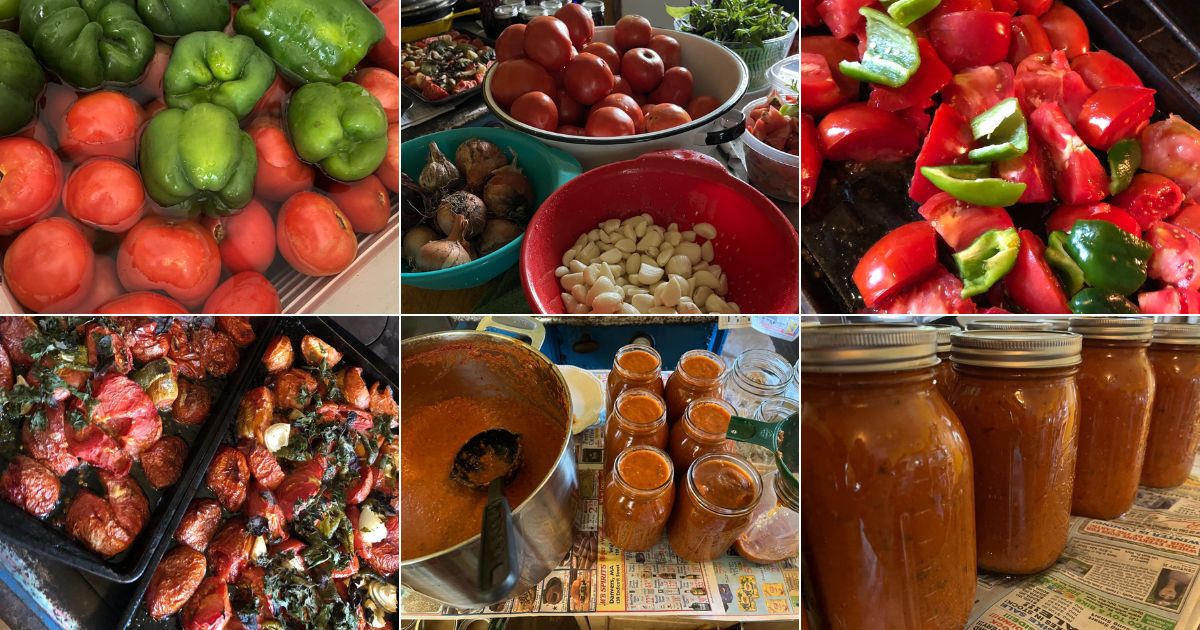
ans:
(496, 234)
(507, 193)
(443, 254)
(476, 159)
(439, 172)
(465, 205)
(414, 239)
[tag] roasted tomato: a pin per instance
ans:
(382, 556)
(354, 389)
(228, 475)
(1114, 113)
(145, 342)
(106, 347)
(218, 353)
(1064, 217)
(208, 609)
(92, 445)
(1169, 301)
(193, 403)
(939, 292)
(898, 260)
(279, 355)
(123, 409)
(861, 133)
(333, 413)
(90, 520)
(229, 550)
(959, 223)
(201, 520)
(383, 401)
(13, 332)
(1149, 198)
(1066, 30)
(238, 328)
(30, 486)
(1175, 259)
(294, 388)
(130, 507)
(255, 413)
(965, 39)
(49, 445)
(264, 468)
(316, 352)
(178, 574)
(1078, 176)
(300, 485)
(1031, 284)
(948, 142)
(163, 461)
(264, 517)
(977, 90)
(362, 487)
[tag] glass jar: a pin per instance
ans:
(1010, 323)
(639, 417)
(943, 375)
(1175, 420)
(635, 365)
(596, 8)
(698, 375)
(638, 498)
(774, 531)
(701, 431)
(886, 482)
(1016, 397)
(756, 375)
(713, 506)
(1116, 394)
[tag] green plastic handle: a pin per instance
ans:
(754, 432)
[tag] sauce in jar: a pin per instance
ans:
(639, 417)
(943, 375)
(1116, 394)
(635, 366)
(887, 493)
(1016, 397)
(713, 507)
(1175, 420)
(698, 375)
(638, 498)
(701, 431)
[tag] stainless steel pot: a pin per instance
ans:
(485, 364)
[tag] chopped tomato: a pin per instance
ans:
(1005, 6)
(1028, 37)
(1175, 258)
(834, 51)
(954, 6)
(1066, 30)
(818, 91)
(1150, 198)
(808, 13)
(918, 118)
(940, 293)
(930, 78)
(1078, 176)
(1171, 147)
(1034, 7)
(1031, 284)
(1188, 217)
(1048, 78)
(1101, 69)
(959, 223)
(861, 133)
(966, 39)
(1170, 301)
(1029, 168)
(897, 261)
(1114, 113)
(810, 159)
(842, 17)
(948, 141)
(1064, 217)
(977, 90)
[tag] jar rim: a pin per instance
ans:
(751, 474)
(706, 400)
(1177, 334)
(852, 348)
(699, 379)
(1011, 323)
(943, 335)
(1016, 348)
(640, 391)
(1114, 328)
(620, 478)
(626, 372)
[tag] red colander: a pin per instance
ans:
(756, 246)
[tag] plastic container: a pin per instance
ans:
(758, 58)
(774, 172)
(784, 76)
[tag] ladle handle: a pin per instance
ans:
(755, 432)
(497, 551)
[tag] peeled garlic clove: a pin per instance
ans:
(370, 526)
(276, 436)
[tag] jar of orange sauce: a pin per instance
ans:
(1015, 394)
(699, 374)
(635, 366)
(1116, 395)
(701, 431)
(887, 494)
(943, 376)
(713, 506)
(1175, 419)
(638, 498)
(639, 417)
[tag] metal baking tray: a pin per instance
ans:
(856, 204)
(50, 541)
(354, 354)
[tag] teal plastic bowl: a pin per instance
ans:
(546, 168)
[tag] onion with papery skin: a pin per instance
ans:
(413, 241)
(449, 252)
(496, 234)
(439, 172)
(476, 159)
(462, 204)
(508, 194)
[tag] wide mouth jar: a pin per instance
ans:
(643, 470)
(700, 368)
(1013, 323)
(1017, 349)
(1122, 329)
(855, 348)
(640, 410)
(637, 362)
(724, 484)
(1176, 334)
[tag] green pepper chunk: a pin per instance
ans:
(1100, 301)
(987, 260)
(1124, 159)
(969, 183)
(88, 42)
(1111, 258)
(311, 40)
(906, 12)
(21, 83)
(1003, 132)
(891, 57)
(340, 127)
(9, 9)
(212, 67)
(1069, 275)
(172, 18)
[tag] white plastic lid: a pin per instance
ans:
(784, 75)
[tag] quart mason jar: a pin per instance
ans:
(639, 417)
(943, 376)
(1175, 420)
(638, 498)
(886, 488)
(701, 431)
(756, 375)
(1116, 394)
(713, 506)
(635, 366)
(774, 532)
(697, 375)
(1016, 397)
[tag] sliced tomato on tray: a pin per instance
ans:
(1114, 113)
(898, 260)
(959, 223)
(861, 133)
(940, 292)
(977, 90)
(1149, 198)
(1031, 284)
(965, 39)
(1064, 217)
(1169, 301)
(1078, 176)
(1175, 259)
(948, 142)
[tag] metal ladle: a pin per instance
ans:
(487, 461)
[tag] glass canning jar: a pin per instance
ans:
(713, 506)
(638, 498)
(698, 375)
(635, 365)
(701, 431)
(1175, 420)
(639, 417)
(756, 375)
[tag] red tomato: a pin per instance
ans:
(389, 171)
(1006, 6)
(897, 261)
(676, 87)
(940, 292)
(588, 78)
(537, 110)
(954, 6)
(1114, 113)
(247, 239)
(270, 103)
(105, 285)
(948, 141)
(387, 52)
(627, 104)
(1028, 37)
(548, 42)
(632, 31)
(511, 43)
(150, 86)
(281, 173)
(181, 259)
(571, 130)
(314, 236)
(1064, 217)
(642, 68)
(579, 23)
(105, 193)
(1034, 7)
(49, 267)
(1031, 284)
(101, 123)
(1031, 169)
(1078, 176)
(247, 292)
(142, 303)
(621, 86)
(605, 52)
(979, 89)
(1175, 258)
(364, 202)
(818, 91)
(834, 51)
(1169, 301)
(701, 106)
(1188, 217)
(667, 47)
(1101, 69)
(385, 87)
(1066, 30)
(30, 182)
(810, 159)
(1048, 78)
(609, 121)
(842, 16)
(570, 112)
(930, 78)
(861, 133)
(666, 115)
(1150, 198)
(966, 39)
(518, 76)
(959, 223)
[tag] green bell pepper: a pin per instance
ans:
(1099, 301)
(212, 67)
(970, 183)
(987, 260)
(310, 40)
(1124, 159)
(340, 127)
(88, 42)
(891, 58)
(1068, 273)
(9, 9)
(172, 18)
(1111, 258)
(1003, 131)
(21, 83)
(198, 160)
(906, 12)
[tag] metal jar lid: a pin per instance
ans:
(1114, 328)
(943, 336)
(846, 348)
(1177, 334)
(1016, 348)
(1009, 323)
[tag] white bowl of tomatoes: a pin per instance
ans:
(660, 106)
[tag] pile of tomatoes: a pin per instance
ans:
(552, 76)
